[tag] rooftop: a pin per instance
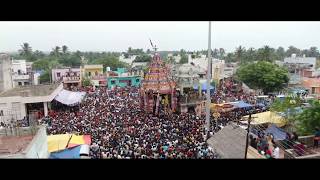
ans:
(29, 91)
(230, 142)
(93, 66)
(14, 144)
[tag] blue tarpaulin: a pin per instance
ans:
(241, 104)
(278, 133)
(71, 153)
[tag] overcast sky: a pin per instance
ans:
(118, 36)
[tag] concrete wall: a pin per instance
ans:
(37, 148)
(5, 73)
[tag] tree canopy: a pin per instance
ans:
(263, 75)
(309, 119)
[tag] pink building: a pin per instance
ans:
(69, 76)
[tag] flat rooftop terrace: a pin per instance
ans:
(30, 91)
(14, 144)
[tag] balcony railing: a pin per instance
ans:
(71, 79)
(20, 77)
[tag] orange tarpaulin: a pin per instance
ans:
(79, 140)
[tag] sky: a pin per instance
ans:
(172, 35)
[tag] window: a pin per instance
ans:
(58, 74)
(137, 80)
(89, 73)
(1, 113)
(96, 73)
(20, 83)
(113, 82)
(19, 71)
(313, 90)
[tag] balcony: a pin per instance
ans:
(72, 79)
(20, 76)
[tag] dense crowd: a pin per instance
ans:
(119, 129)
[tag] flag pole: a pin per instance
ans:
(208, 103)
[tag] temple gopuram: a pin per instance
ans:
(158, 89)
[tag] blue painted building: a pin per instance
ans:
(124, 81)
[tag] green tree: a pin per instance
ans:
(240, 51)
(143, 58)
(110, 61)
(222, 52)
(266, 54)
(64, 49)
(56, 51)
(45, 77)
(313, 52)
(292, 50)
(215, 53)
(263, 75)
(184, 59)
(26, 52)
(86, 82)
(281, 54)
(309, 119)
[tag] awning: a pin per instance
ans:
(64, 141)
(70, 98)
(241, 104)
(267, 117)
(278, 134)
(71, 153)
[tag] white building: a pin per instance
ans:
(14, 102)
(217, 65)
(301, 61)
(22, 73)
(5, 72)
(128, 60)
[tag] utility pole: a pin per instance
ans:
(247, 139)
(208, 103)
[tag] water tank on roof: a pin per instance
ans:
(108, 69)
(293, 55)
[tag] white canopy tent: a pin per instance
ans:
(70, 98)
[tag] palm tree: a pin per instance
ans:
(221, 53)
(267, 53)
(215, 53)
(313, 52)
(239, 53)
(64, 49)
(250, 54)
(55, 51)
(26, 50)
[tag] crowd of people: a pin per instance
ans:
(120, 129)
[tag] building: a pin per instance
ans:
(20, 102)
(6, 81)
(92, 70)
(21, 75)
(217, 68)
(70, 77)
(29, 143)
(124, 81)
(295, 64)
(313, 85)
(129, 60)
